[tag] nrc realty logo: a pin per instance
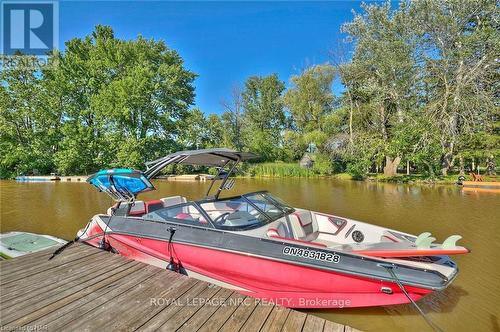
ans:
(29, 27)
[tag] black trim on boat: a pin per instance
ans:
(350, 264)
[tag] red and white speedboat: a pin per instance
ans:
(260, 246)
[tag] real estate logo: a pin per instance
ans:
(29, 27)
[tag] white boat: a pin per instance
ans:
(15, 244)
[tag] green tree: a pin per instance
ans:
(264, 115)
(214, 129)
(458, 47)
(29, 126)
(122, 100)
(310, 98)
(233, 120)
(192, 132)
(382, 72)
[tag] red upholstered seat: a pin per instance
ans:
(138, 208)
(153, 205)
(183, 216)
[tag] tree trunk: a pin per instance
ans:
(490, 165)
(461, 166)
(407, 167)
(444, 167)
(431, 170)
(351, 110)
(383, 123)
(391, 165)
(446, 163)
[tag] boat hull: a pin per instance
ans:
(284, 283)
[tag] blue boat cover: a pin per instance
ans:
(120, 183)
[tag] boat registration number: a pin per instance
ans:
(311, 254)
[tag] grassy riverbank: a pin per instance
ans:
(293, 170)
(280, 170)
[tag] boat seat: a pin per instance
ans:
(305, 228)
(304, 225)
(153, 205)
(138, 208)
(280, 233)
(173, 200)
(215, 209)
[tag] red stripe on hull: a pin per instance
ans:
(283, 283)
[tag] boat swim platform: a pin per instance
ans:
(85, 288)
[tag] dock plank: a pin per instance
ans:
(190, 309)
(313, 324)
(333, 327)
(147, 309)
(78, 309)
(240, 315)
(84, 288)
(39, 262)
(276, 319)
(258, 317)
(55, 282)
(34, 282)
(197, 321)
(102, 315)
(294, 322)
(170, 309)
(30, 304)
(223, 313)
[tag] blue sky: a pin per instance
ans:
(223, 42)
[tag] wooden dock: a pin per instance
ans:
(88, 289)
(481, 186)
(187, 177)
(52, 178)
(74, 178)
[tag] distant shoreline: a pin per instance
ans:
(376, 178)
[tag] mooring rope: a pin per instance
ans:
(390, 269)
(66, 245)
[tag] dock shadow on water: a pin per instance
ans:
(469, 304)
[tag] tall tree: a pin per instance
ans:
(122, 100)
(29, 126)
(264, 115)
(233, 120)
(382, 71)
(310, 97)
(458, 45)
(310, 100)
(192, 130)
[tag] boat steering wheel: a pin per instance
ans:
(221, 220)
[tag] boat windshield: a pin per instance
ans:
(245, 212)
(236, 213)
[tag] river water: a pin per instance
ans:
(471, 303)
